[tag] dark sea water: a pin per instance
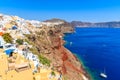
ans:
(99, 49)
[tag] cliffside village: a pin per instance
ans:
(17, 62)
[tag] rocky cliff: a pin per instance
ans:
(48, 42)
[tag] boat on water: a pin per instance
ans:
(103, 74)
(70, 43)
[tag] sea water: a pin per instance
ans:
(99, 50)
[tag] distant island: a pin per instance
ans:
(115, 24)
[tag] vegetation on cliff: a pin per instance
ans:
(19, 41)
(7, 37)
(44, 60)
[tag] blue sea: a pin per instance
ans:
(98, 49)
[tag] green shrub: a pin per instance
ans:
(19, 41)
(53, 73)
(34, 50)
(7, 37)
(44, 60)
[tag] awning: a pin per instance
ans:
(9, 51)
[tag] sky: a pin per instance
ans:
(70, 10)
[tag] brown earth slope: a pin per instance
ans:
(48, 42)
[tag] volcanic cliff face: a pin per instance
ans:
(45, 39)
(48, 42)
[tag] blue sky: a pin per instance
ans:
(82, 10)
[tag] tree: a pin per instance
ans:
(7, 37)
(53, 73)
(19, 41)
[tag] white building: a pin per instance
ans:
(2, 42)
